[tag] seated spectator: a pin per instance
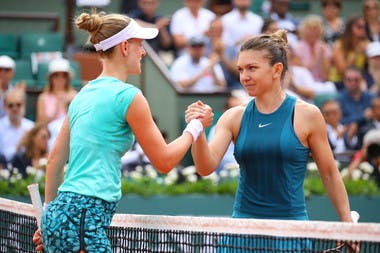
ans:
(189, 21)
(342, 141)
(13, 125)
(194, 72)
(228, 158)
(146, 15)
(373, 157)
(269, 26)
(373, 57)
(240, 23)
(371, 15)
(219, 7)
(354, 102)
(3, 162)
(32, 148)
(313, 52)
(299, 80)
(333, 24)
(7, 71)
(279, 11)
(227, 54)
(134, 157)
(372, 122)
(349, 50)
(58, 93)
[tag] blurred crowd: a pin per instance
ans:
(334, 62)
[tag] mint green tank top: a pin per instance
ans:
(99, 137)
(272, 165)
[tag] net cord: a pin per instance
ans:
(343, 231)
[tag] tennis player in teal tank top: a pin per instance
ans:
(274, 134)
(103, 120)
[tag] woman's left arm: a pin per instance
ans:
(323, 156)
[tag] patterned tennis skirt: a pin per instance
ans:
(73, 222)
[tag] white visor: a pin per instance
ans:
(132, 30)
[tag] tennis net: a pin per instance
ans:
(158, 233)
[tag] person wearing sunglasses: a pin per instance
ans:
(14, 124)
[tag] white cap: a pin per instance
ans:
(7, 62)
(132, 30)
(59, 65)
(373, 49)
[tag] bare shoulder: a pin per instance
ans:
(307, 110)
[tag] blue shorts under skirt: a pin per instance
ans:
(73, 222)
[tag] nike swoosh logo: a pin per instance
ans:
(264, 125)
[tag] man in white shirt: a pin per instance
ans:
(189, 21)
(194, 72)
(240, 23)
(13, 126)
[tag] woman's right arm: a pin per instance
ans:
(56, 162)
(163, 156)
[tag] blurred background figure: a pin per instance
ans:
(53, 102)
(194, 72)
(314, 53)
(269, 26)
(349, 50)
(227, 54)
(32, 148)
(373, 58)
(371, 15)
(333, 23)
(13, 125)
(146, 15)
(279, 11)
(189, 21)
(219, 7)
(240, 23)
(7, 72)
(372, 122)
(342, 142)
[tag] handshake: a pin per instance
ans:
(198, 116)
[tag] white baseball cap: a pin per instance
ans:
(132, 30)
(373, 49)
(7, 62)
(59, 65)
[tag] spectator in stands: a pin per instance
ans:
(333, 23)
(53, 101)
(371, 14)
(7, 71)
(370, 138)
(227, 53)
(32, 148)
(315, 54)
(146, 15)
(189, 21)
(349, 50)
(13, 125)
(194, 72)
(299, 80)
(279, 11)
(373, 157)
(341, 140)
(373, 122)
(240, 23)
(354, 102)
(269, 26)
(373, 58)
(228, 158)
(219, 7)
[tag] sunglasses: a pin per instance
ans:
(355, 79)
(11, 105)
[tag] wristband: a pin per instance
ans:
(195, 128)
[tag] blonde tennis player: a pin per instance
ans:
(100, 127)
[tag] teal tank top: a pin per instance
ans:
(272, 165)
(99, 137)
